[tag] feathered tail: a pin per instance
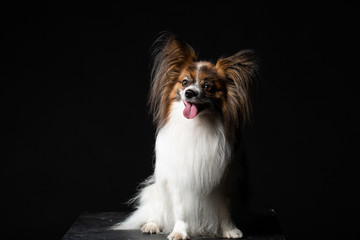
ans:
(143, 209)
(133, 221)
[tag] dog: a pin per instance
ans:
(198, 108)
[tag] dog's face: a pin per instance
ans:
(200, 87)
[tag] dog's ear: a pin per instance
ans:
(170, 56)
(239, 71)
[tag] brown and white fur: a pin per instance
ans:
(197, 107)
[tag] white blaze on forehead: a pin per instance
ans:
(198, 68)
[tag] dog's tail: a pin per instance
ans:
(133, 221)
(143, 207)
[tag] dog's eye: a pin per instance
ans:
(184, 82)
(207, 87)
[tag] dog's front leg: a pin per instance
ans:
(180, 228)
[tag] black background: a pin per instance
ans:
(76, 134)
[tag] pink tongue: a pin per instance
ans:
(190, 110)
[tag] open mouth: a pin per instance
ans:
(192, 109)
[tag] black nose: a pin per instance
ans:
(190, 94)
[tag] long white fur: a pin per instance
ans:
(184, 196)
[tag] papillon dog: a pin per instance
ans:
(197, 107)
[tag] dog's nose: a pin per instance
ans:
(190, 93)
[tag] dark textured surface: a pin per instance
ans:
(95, 226)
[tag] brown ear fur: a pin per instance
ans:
(171, 55)
(239, 71)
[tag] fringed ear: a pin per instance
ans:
(239, 71)
(170, 56)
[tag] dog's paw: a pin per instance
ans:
(232, 233)
(178, 236)
(151, 228)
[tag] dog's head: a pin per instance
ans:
(222, 87)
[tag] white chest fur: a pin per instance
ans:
(192, 153)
